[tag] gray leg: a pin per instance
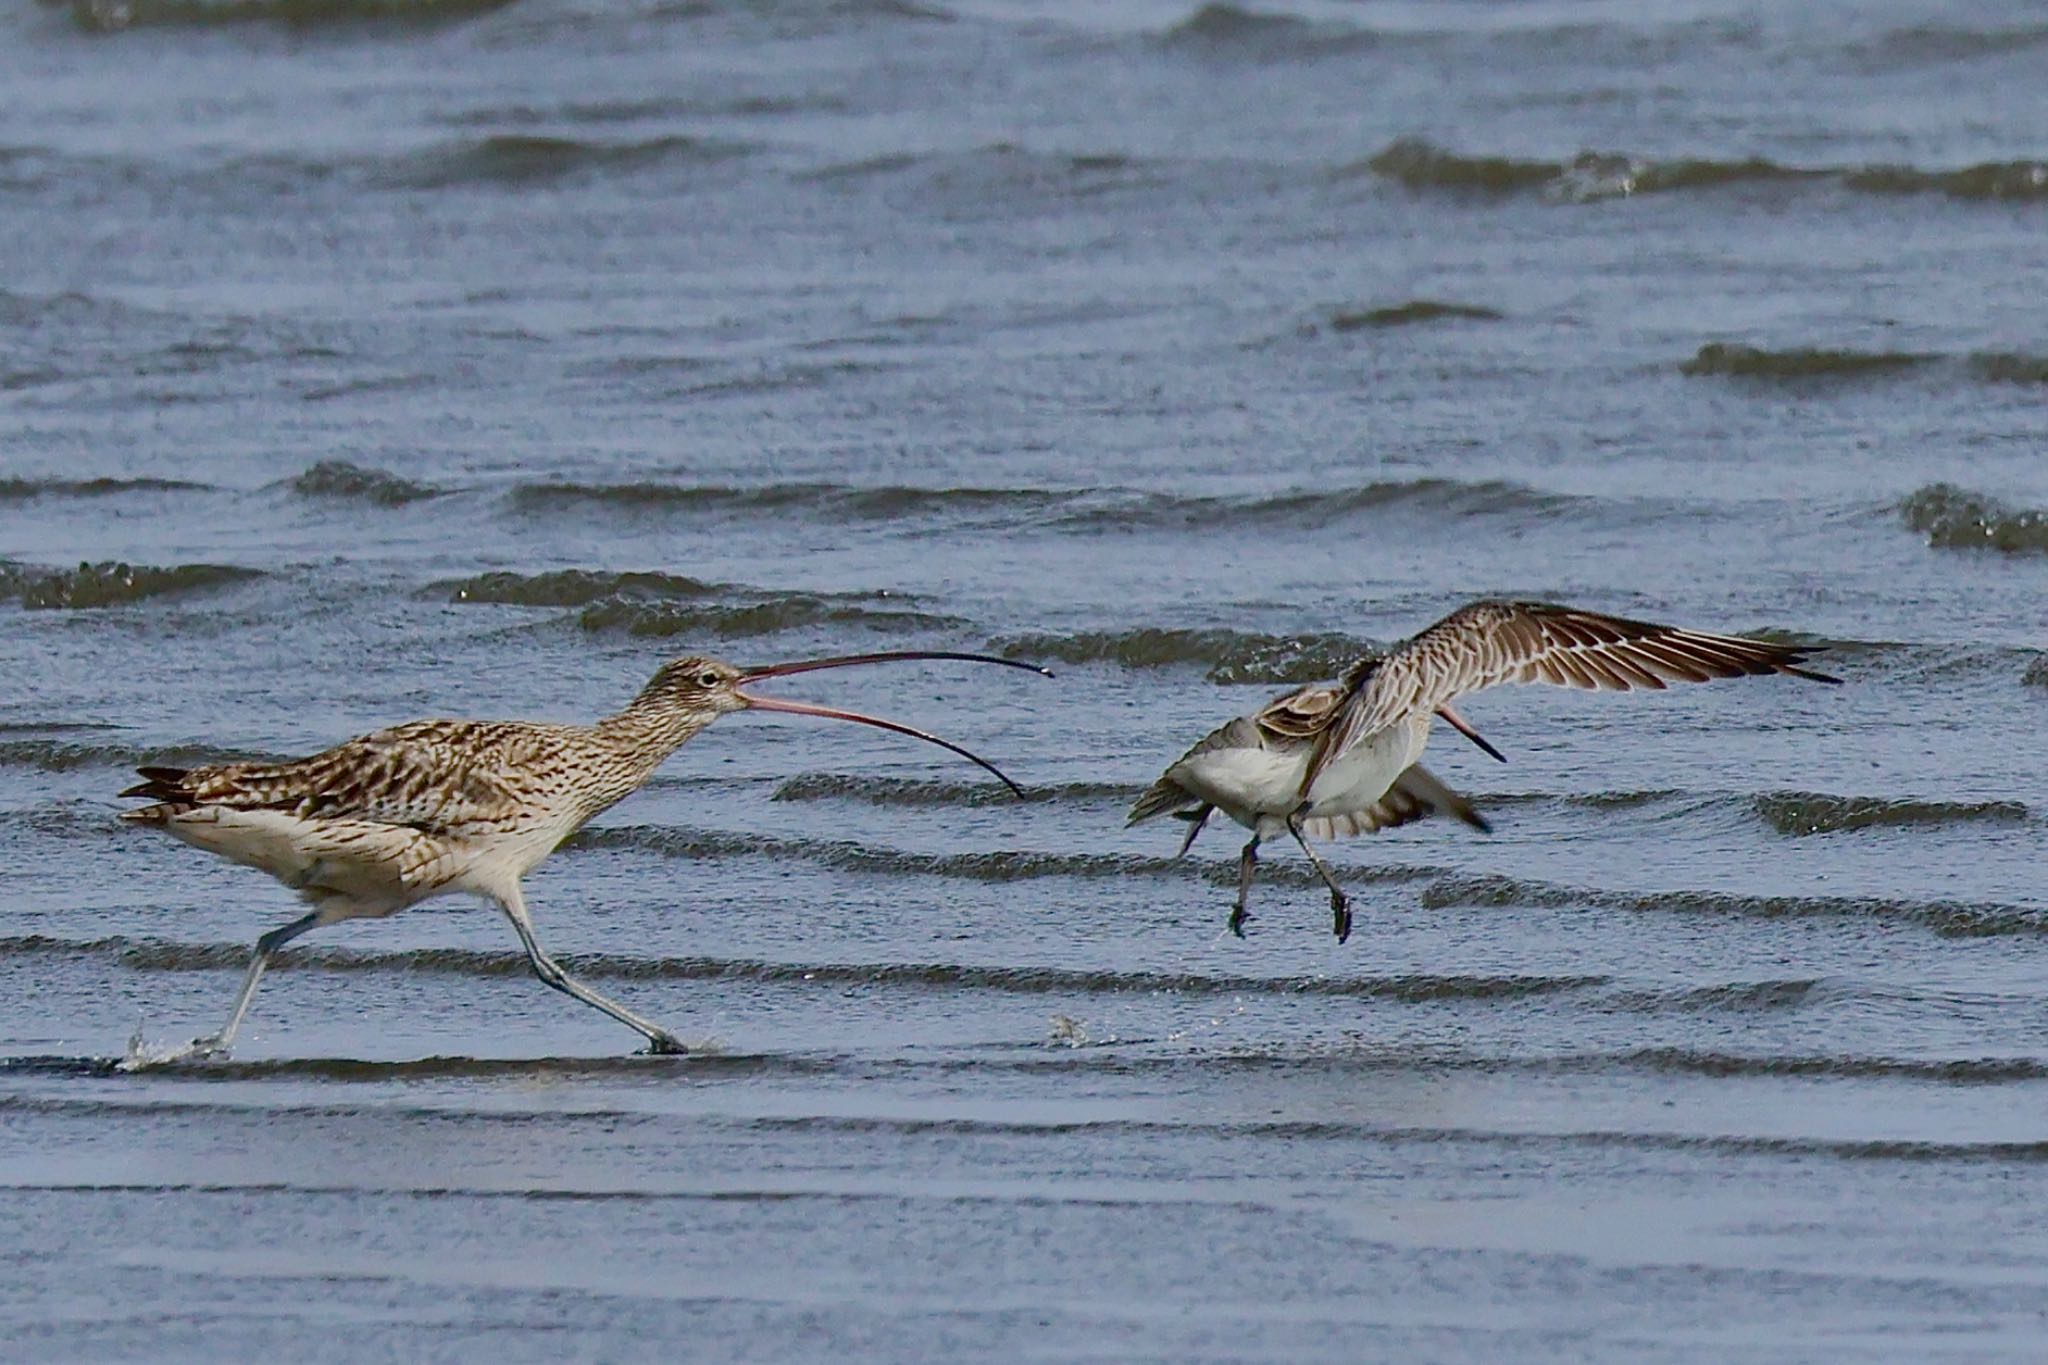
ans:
(1196, 819)
(1247, 864)
(217, 1044)
(659, 1039)
(1340, 905)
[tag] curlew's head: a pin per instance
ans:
(711, 688)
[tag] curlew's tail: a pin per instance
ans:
(1159, 798)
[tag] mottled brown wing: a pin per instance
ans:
(1488, 643)
(429, 775)
(1298, 716)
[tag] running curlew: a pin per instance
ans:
(376, 824)
(1325, 761)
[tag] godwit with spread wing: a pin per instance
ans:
(379, 823)
(1325, 761)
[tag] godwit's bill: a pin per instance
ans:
(429, 808)
(1323, 761)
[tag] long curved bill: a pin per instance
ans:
(800, 708)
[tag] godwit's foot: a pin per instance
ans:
(1237, 920)
(1340, 914)
(142, 1056)
(665, 1045)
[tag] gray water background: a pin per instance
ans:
(382, 360)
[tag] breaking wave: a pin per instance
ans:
(1420, 164)
(571, 588)
(1062, 509)
(1955, 518)
(1799, 362)
(1228, 656)
(59, 756)
(998, 865)
(1953, 919)
(514, 160)
(1404, 314)
(22, 490)
(795, 611)
(1814, 813)
(110, 584)
(111, 16)
(842, 501)
(340, 479)
(164, 956)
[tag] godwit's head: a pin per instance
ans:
(715, 688)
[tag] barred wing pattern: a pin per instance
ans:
(437, 777)
(1487, 643)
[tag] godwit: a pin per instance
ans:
(1325, 761)
(376, 824)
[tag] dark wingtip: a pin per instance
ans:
(1811, 675)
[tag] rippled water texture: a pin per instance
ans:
(363, 360)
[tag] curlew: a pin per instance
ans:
(1325, 761)
(434, 807)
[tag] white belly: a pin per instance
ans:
(1259, 787)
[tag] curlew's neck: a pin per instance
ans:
(641, 737)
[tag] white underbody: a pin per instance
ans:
(350, 869)
(1259, 785)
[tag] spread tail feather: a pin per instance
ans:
(1424, 785)
(1159, 798)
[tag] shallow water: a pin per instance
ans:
(362, 360)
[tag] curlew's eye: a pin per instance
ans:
(707, 680)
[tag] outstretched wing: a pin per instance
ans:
(1488, 643)
(432, 776)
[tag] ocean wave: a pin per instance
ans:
(110, 584)
(1084, 510)
(841, 501)
(2036, 674)
(1312, 509)
(520, 159)
(2009, 180)
(1229, 656)
(59, 756)
(1799, 362)
(112, 16)
(572, 588)
(794, 611)
(142, 954)
(1950, 919)
(24, 490)
(1422, 165)
(1955, 518)
(1930, 44)
(913, 791)
(996, 866)
(1220, 29)
(341, 480)
(1405, 314)
(1697, 1062)
(1801, 813)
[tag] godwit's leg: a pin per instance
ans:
(659, 1039)
(217, 1044)
(1247, 865)
(1340, 904)
(1196, 819)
